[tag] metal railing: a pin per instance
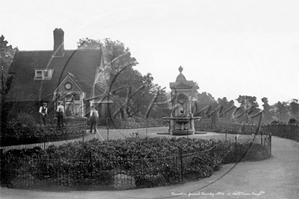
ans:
(113, 172)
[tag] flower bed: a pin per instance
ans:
(17, 133)
(130, 163)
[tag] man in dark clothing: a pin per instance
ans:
(43, 111)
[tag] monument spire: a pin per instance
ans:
(180, 69)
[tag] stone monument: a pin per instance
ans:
(181, 120)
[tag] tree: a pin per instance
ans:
(294, 109)
(267, 115)
(158, 102)
(88, 44)
(205, 98)
(280, 110)
(132, 91)
(246, 100)
(226, 105)
(7, 53)
(248, 108)
(195, 90)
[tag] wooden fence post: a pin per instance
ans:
(181, 164)
(235, 140)
(270, 143)
(82, 135)
(91, 163)
(107, 128)
(1, 156)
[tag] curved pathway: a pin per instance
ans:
(277, 177)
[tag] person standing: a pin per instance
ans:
(60, 114)
(43, 111)
(93, 119)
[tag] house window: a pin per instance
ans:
(43, 74)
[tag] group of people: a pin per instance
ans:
(60, 114)
(94, 116)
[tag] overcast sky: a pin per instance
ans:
(229, 47)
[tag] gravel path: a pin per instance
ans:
(277, 177)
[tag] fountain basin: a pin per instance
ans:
(181, 125)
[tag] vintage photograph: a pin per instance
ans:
(149, 99)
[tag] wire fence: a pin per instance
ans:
(116, 173)
(108, 173)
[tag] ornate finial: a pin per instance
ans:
(180, 69)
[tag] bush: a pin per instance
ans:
(293, 121)
(135, 122)
(25, 119)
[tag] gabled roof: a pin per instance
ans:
(82, 63)
(76, 87)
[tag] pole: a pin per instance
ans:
(2, 99)
(82, 127)
(181, 164)
(270, 140)
(146, 127)
(107, 128)
(2, 80)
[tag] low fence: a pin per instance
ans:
(116, 173)
(105, 173)
(289, 131)
(222, 127)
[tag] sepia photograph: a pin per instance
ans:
(149, 99)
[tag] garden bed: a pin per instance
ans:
(123, 164)
(38, 134)
(24, 130)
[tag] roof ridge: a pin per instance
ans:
(35, 50)
(80, 49)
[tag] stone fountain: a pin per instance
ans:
(181, 120)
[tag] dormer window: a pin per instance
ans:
(43, 74)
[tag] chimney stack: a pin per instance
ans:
(58, 35)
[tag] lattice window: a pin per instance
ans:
(43, 74)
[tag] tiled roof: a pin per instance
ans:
(81, 63)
